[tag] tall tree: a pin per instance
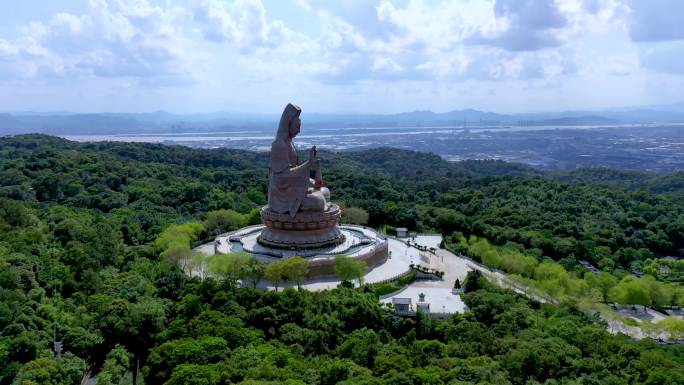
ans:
(603, 282)
(355, 216)
(229, 266)
(274, 273)
(296, 269)
(347, 268)
(254, 271)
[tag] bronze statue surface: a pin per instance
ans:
(299, 213)
(290, 187)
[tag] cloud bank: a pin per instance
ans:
(251, 55)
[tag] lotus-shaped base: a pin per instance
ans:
(307, 230)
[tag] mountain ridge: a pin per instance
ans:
(108, 123)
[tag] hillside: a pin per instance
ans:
(502, 201)
(83, 229)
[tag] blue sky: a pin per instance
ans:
(339, 56)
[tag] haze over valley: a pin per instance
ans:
(650, 139)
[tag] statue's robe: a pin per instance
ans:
(289, 181)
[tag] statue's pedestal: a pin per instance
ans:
(360, 243)
(307, 230)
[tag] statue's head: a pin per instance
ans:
(289, 122)
(295, 126)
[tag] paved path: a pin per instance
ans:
(677, 313)
(614, 326)
(401, 256)
(438, 293)
(458, 267)
(428, 240)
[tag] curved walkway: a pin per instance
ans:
(401, 255)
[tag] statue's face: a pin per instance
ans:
(295, 125)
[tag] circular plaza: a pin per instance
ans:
(360, 243)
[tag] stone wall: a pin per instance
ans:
(325, 268)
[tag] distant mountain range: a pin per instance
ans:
(64, 123)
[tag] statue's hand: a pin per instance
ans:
(313, 153)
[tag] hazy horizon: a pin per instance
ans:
(675, 105)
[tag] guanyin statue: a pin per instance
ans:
(299, 213)
(290, 188)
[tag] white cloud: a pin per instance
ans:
(619, 65)
(361, 46)
(358, 40)
(217, 23)
(7, 50)
(524, 25)
(656, 20)
(113, 39)
(368, 17)
(663, 57)
(431, 42)
(385, 64)
(68, 23)
(339, 36)
(243, 23)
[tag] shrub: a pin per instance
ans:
(385, 288)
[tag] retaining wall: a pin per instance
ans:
(325, 267)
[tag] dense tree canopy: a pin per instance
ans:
(93, 238)
(149, 185)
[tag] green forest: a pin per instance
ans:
(87, 232)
